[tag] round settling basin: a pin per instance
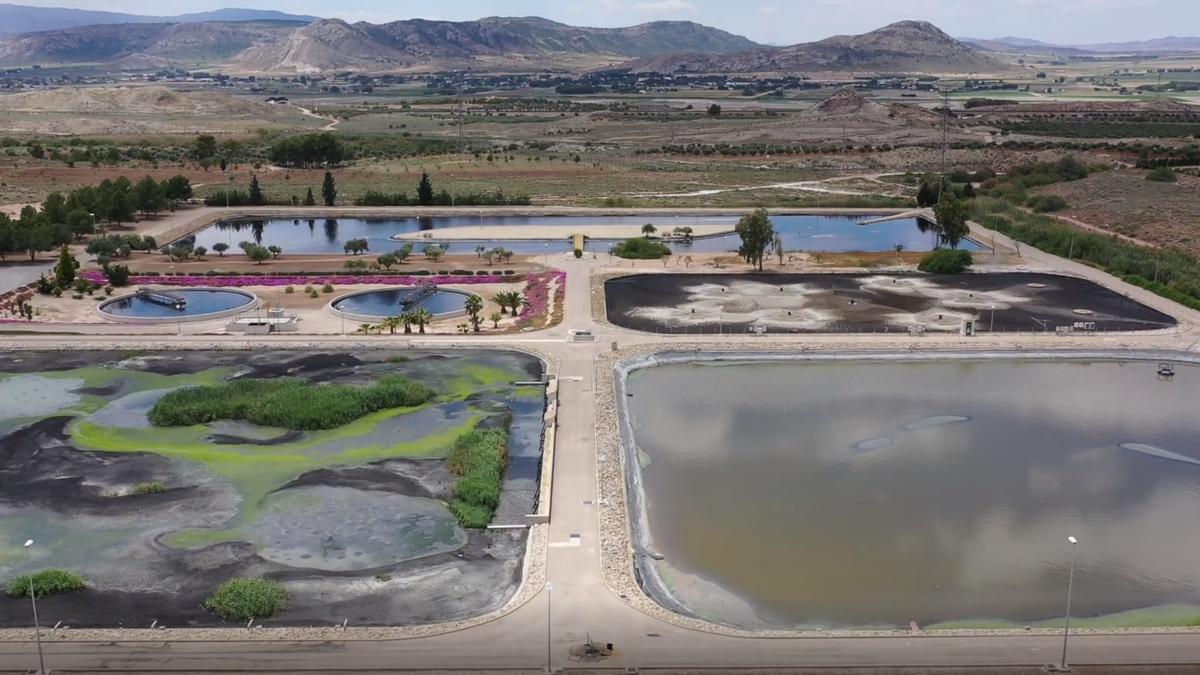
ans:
(172, 305)
(384, 302)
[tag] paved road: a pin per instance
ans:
(580, 605)
(13, 276)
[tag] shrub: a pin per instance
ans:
(1046, 203)
(327, 288)
(478, 458)
(640, 248)
(946, 261)
(118, 275)
(1163, 174)
(151, 488)
(247, 598)
(46, 582)
(289, 290)
(285, 402)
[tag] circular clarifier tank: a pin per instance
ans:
(172, 305)
(384, 302)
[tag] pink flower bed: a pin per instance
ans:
(537, 294)
(288, 280)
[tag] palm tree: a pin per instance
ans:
(408, 319)
(501, 300)
(511, 299)
(474, 306)
(364, 328)
(495, 319)
(392, 322)
(422, 317)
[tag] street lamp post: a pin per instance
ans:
(37, 628)
(1067, 619)
(549, 658)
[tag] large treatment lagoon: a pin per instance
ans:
(799, 232)
(873, 492)
(347, 505)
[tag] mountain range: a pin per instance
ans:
(496, 43)
(913, 46)
(333, 44)
(16, 19)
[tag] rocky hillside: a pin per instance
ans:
(15, 19)
(180, 43)
(333, 44)
(906, 46)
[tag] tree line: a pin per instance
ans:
(66, 217)
(425, 196)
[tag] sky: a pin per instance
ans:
(767, 21)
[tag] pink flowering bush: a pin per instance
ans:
(300, 280)
(537, 295)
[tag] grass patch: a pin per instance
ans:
(478, 458)
(46, 582)
(286, 403)
(246, 599)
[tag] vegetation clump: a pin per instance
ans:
(285, 402)
(247, 598)
(478, 458)
(46, 582)
(149, 488)
(1046, 203)
(946, 261)
(640, 248)
(1163, 174)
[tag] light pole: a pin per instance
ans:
(549, 660)
(37, 629)
(1067, 620)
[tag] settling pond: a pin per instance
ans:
(866, 491)
(854, 303)
(387, 302)
(352, 520)
(327, 235)
(200, 302)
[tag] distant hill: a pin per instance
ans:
(910, 46)
(142, 44)
(1030, 46)
(333, 44)
(16, 19)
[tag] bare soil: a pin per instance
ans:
(1124, 202)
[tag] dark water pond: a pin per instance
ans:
(879, 493)
(327, 235)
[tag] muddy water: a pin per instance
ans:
(878, 493)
